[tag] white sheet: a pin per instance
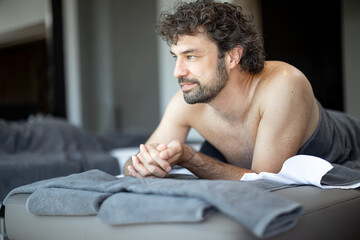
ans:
(300, 169)
(123, 154)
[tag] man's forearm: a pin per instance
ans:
(201, 165)
(207, 167)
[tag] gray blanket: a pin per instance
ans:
(43, 148)
(130, 200)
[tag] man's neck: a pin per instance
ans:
(234, 100)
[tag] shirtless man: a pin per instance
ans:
(256, 113)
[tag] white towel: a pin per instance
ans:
(300, 169)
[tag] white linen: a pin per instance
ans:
(300, 169)
(123, 154)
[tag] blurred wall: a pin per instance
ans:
(116, 54)
(15, 14)
(96, 64)
(351, 53)
(136, 91)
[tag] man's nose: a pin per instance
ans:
(180, 69)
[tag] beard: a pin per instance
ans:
(206, 93)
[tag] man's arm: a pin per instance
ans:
(206, 167)
(173, 125)
(200, 164)
(289, 116)
(203, 166)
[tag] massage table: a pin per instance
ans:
(328, 214)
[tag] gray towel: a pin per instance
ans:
(250, 203)
(149, 208)
(59, 201)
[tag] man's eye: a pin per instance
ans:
(190, 57)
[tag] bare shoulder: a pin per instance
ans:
(282, 74)
(283, 82)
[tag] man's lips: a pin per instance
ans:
(187, 86)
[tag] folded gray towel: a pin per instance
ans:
(250, 203)
(162, 200)
(59, 201)
(149, 208)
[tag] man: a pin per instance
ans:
(256, 113)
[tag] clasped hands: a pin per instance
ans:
(156, 160)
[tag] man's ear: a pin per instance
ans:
(234, 56)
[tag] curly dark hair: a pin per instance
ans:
(224, 23)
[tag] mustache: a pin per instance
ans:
(188, 80)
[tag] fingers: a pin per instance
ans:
(172, 155)
(173, 152)
(156, 159)
(155, 155)
(161, 147)
(177, 153)
(138, 169)
(133, 172)
(150, 158)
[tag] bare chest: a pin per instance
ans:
(235, 141)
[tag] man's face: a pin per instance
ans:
(201, 74)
